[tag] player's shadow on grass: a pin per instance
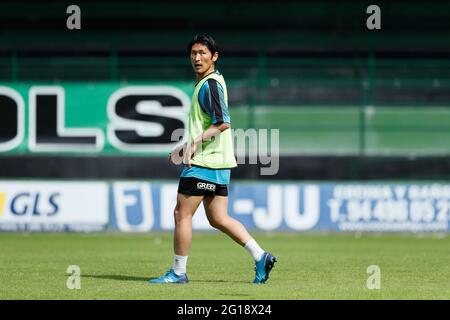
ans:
(218, 281)
(117, 277)
(140, 279)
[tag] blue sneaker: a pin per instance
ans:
(263, 267)
(170, 277)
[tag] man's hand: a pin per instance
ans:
(176, 155)
(193, 148)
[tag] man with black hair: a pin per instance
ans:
(208, 157)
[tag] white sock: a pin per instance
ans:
(179, 264)
(254, 249)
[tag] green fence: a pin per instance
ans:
(354, 105)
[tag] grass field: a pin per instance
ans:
(310, 266)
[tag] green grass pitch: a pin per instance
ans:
(310, 266)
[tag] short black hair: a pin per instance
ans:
(205, 40)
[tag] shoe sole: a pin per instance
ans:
(178, 282)
(184, 281)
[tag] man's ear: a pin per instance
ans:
(215, 56)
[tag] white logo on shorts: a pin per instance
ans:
(206, 186)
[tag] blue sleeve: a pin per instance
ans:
(212, 101)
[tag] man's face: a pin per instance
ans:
(202, 59)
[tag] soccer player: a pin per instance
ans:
(208, 157)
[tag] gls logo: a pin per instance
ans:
(31, 204)
(142, 118)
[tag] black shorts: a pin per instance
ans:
(198, 187)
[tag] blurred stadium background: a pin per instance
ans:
(375, 102)
(354, 108)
